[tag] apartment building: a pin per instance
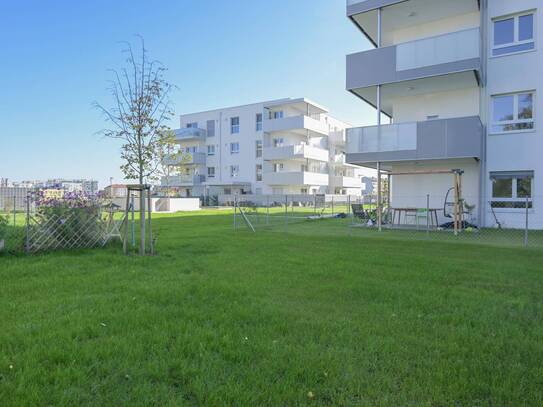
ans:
(286, 146)
(456, 85)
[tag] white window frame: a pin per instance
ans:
(258, 148)
(211, 174)
(234, 128)
(278, 167)
(514, 197)
(515, 113)
(278, 142)
(211, 149)
(516, 18)
(259, 171)
(234, 150)
(234, 171)
(258, 122)
(192, 125)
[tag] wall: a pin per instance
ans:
(410, 191)
(433, 28)
(515, 151)
(450, 104)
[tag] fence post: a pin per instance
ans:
(526, 226)
(427, 215)
(348, 205)
(235, 210)
(27, 228)
(267, 210)
(132, 225)
(14, 202)
(332, 205)
(286, 210)
(315, 203)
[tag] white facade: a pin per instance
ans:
(441, 62)
(287, 146)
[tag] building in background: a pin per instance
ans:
(287, 146)
(115, 191)
(88, 187)
(456, 85)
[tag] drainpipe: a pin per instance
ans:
(379, 27)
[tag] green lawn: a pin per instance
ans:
(233, 318)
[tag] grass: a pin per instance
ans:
(234, 318)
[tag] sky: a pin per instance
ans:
(56, 55)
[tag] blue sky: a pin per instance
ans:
(56, 54)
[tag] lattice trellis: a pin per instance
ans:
(69, 230)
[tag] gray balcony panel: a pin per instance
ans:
(427, 57)
(436, 139)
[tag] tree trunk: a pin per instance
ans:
(142, 219)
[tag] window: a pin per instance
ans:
(234, 148)
(259, 172)
(278, 142)
(513, 34)
(259, 122)
(303, 191)
(211, 150)
(511, 189)
(514, 112)
(278, 167)
(227, 191)
(258, 148)
(210, 126)
(234, 125)
(276, 115)
(234, 171)
(211, 172)
(192, 125)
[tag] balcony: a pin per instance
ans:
(297, 124)
(398, 15)
(182, 180)
(186, 159)
(345, 182)
(190, 133)
(429, 140)
(295, 178)
(429, 57)
(295, 152)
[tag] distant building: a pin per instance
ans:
(115, 191)
(89, 187)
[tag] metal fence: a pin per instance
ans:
(61, 224)
(506, 222)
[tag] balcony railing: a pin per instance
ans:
(441, 49)
(297, 151)
(190, 133)
(394, 137)
(197, 158)
(432, 139)
(183, 180)
(299, 122)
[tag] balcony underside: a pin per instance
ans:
(400, 14)
(434, 84)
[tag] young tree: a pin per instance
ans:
(141, 108)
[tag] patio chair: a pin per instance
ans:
(359, 212)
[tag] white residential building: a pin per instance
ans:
(286, 146)
(458, 85)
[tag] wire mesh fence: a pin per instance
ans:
(471, 219)
(70, 221)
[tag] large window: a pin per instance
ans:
(211, 149)
(259, 122)
(234, 171)
(512, 189)
(210, 126)
(276, 115)
(259, 172)
(513, 112)
(192, 125)
(258, 148)
(513, 34)
(234, 148)
(211, 172)
(234, 125)
(278, 142)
